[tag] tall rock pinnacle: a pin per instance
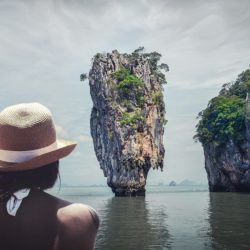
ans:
(128, 117)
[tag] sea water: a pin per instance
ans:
(167, 218)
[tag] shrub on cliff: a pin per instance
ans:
(132, 118)
(157, 98)
(121, 74)
(131, 82)
(224, 117)
(129, 86)
(83, 77)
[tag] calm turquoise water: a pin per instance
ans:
(168, 218)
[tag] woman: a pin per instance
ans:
(29, 158)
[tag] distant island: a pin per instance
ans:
(128, 117)
(185, 182)
(224, 131)
(172, 184)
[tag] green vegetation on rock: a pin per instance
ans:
(121, 74)
(131, 118)
(130, 89)
(129, 85)
(140, 99)
(127, 104)
(157, 98)
(224, 118)
(130, 82)
(241, 86)
(160, 76)
(153, 59)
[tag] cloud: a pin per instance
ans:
(76, 154)
(46, 45)
(85, 138)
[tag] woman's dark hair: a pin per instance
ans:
(41, 178)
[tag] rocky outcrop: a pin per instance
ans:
(127, 118)
(230, 169)
(224, 131)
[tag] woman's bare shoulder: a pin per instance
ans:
(67, 211)
(76, 226)
(76, 211)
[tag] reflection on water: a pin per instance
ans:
(169, 218)
(128, 223)
(229, 216)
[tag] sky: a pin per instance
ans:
(46, 45)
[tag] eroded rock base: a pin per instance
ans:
(128, 193)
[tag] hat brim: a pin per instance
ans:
(63, 149)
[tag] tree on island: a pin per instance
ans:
(139, 50)
(164, 67)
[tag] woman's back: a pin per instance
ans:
(45, 222)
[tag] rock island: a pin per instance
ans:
(128, 117)
(224, 131)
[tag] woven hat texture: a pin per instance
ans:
(28, 130)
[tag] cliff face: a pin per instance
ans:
(127, 118)
(224, 131)
(230, 169)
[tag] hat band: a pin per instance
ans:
(21, 156)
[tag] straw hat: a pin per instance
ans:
(28, 138)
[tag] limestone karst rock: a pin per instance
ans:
(127, 118)
(224, 131)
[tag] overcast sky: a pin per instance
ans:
(46, 45)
